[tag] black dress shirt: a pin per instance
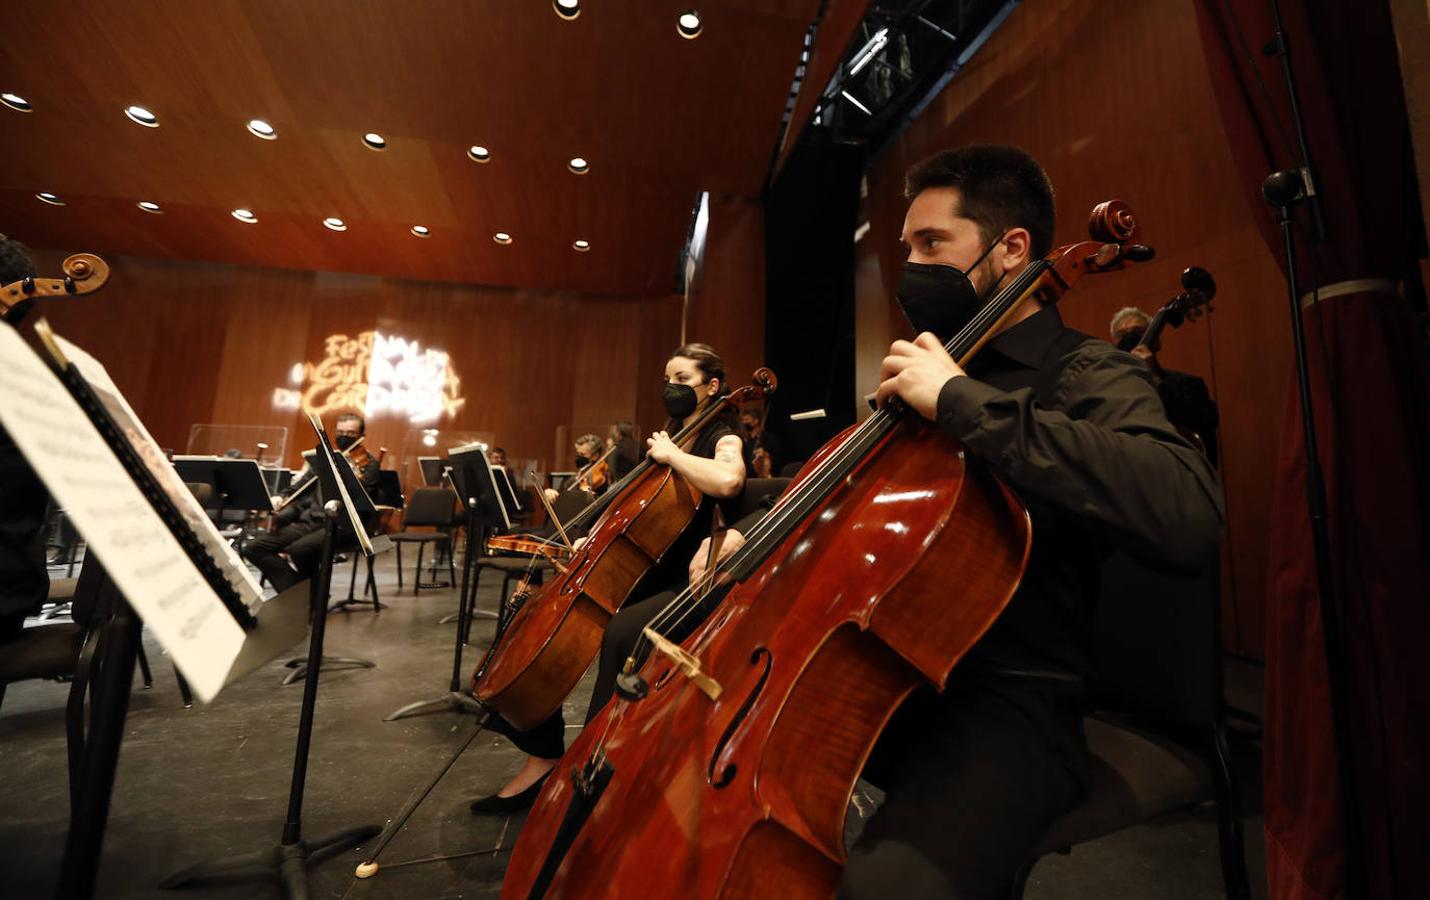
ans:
(1075, 427)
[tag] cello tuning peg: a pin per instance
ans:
(1138, 252)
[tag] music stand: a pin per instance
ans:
(432, 468)
(507, 489)
(288, 861)
(477, 486)
(337, 481)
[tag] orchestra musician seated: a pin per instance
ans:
(298, 525)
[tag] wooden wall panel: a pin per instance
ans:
(203, 343)
(727, 307)
(1125, 112)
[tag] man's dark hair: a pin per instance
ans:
(1000, 187)
(501, 450)
(354, 417)
(16, 263)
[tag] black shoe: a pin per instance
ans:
(502, 806)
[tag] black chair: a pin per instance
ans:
(1158, 732)
(429, 508)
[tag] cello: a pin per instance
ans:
(551, 640)
(85, 273)
(725, 765)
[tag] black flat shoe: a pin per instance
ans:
(502, 806)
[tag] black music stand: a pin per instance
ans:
(477, 484)
(338, 482)
(287, 863)
(238, 483)
(432, 468)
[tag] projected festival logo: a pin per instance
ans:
(375, 374)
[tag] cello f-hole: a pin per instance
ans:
(727, 774)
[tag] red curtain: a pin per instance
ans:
(1371, 400)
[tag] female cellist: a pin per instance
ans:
(893, 559)
(694, 379)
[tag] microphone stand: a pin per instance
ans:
(1284, 190)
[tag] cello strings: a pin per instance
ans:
(854, 448)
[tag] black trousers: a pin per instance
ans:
(548, 740)
(302, 541)
(973, 779)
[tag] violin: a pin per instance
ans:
(724, 767)
(85, 273)
(358, 454)
(595, 475)
(550, 643)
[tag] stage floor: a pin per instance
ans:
(212, 781)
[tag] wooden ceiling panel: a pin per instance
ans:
(659, 117)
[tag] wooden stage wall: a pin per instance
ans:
(195, 343)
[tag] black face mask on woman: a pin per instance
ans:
(940, 298)
(680, 399)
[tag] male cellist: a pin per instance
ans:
(974, 776)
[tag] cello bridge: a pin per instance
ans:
(688, 664)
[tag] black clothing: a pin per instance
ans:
(548, 740)
(24, 580)
(975, 775)
(625, 458)
(298, 532)
(302, 541)
(972, 793)
(1075, 427)
(771, 444)
(1189, 405)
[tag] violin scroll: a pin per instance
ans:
(85, 273)
(765, 379)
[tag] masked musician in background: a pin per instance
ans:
(298, 525)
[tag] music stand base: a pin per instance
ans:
(452, 701)
(286, 864)
(299, 666)
(347, 605)
(449, 618)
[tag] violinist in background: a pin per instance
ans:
(298, 525)
(497, 456)
(593, 474)
(622, 437)
(1189, 404)
(763, 457)
(975, 775)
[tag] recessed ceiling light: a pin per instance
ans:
(244, 215)
(149, 206)
(567, 9)
(49, 198)
(261, 129)
(478, 153)
(374, 141)
(16, 102)
(501, 237)
(581, 246)
(335, 223)
(421, 231)
(689, 24)
(579, 164)
(142, 116)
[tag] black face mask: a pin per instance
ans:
(344, 441)
(680, 399)
(940, 298)
(1130, 339)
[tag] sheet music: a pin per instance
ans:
(233, 568)
(139, 551)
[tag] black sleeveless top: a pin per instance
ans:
(674, 567)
